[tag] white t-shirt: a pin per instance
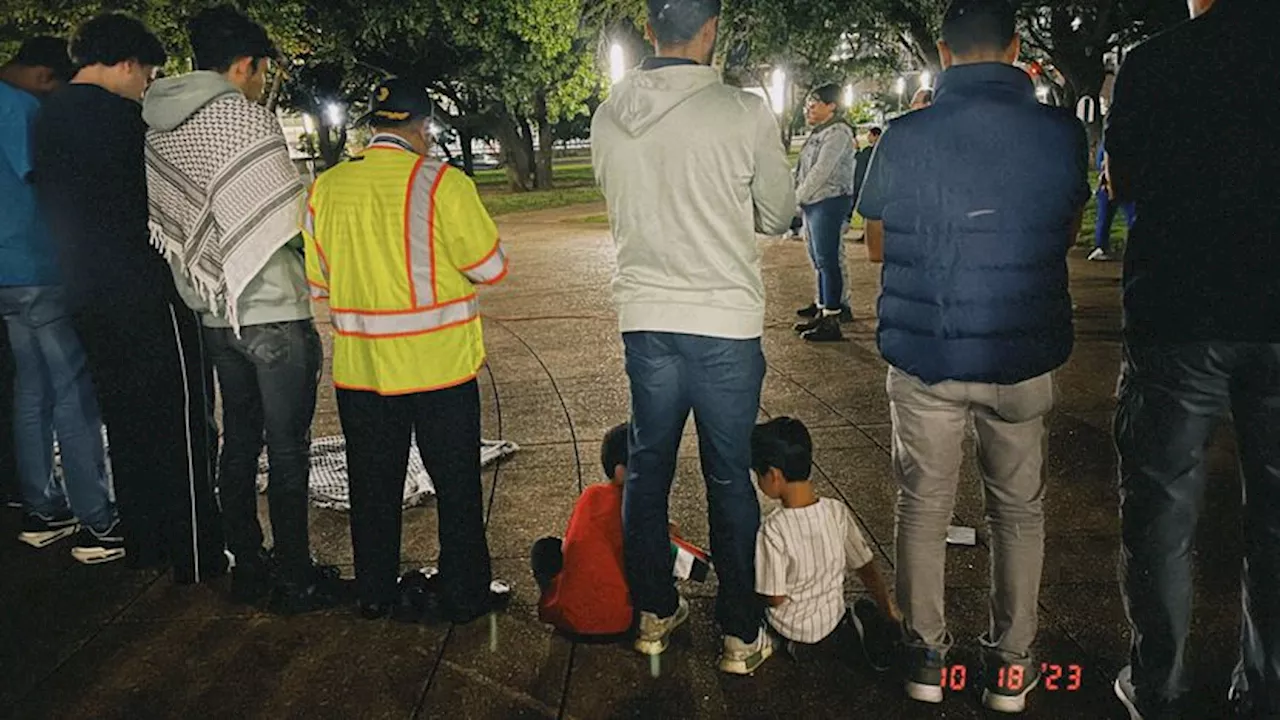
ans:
(802, 553)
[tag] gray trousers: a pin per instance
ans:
(929, 425)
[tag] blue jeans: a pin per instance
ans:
(53, 394)
(823, 222)
(720, 381)
(1107, 209)
(1171, 398)
(268, 379)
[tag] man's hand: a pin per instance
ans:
(875, 241)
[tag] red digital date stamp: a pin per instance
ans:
(1014, 678)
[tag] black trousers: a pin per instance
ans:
(156, 390)
(8, 461)
(378, 430)
(1172, 397)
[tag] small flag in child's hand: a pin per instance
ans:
(691, 561)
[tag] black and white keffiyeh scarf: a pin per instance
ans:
(224, 196)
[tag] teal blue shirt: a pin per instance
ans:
(27, 256)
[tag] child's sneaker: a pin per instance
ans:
(1007, 686)
(924, 674)
(40, 530)
(655, 632)
(94, 548)
(877, 634)
(739, 658)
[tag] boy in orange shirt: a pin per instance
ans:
(584, 589)
(582, 578)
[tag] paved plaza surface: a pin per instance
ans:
(107, 642)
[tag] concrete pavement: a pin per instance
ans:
(106, 642)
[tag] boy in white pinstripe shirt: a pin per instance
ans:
(803, 549)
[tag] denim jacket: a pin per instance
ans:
(826, 164)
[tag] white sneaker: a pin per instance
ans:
(1100, 255)
(739, 658)
(655, 632)
(1124, 690)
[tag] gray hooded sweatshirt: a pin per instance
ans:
(279, 292)
(692, 169)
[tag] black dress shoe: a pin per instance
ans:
(846, 314)
(250, 581)
(827, 330)
(374, 611)
(289, 599)
(807, 325)
(809, 311)
(210, 569)
(419, 596)
(497, 600)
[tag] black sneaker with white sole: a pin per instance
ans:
(94, 548)
(878, 634)
(923, 669)
(40, 530)
(1008, 685)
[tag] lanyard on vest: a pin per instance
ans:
(388, 139)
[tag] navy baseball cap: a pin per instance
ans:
(396, 100)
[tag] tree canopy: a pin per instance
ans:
(527, 72)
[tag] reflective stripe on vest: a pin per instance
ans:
(419, 222)
(488, 270)
(401, 324)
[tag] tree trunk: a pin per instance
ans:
(546, 142)
(330, 146)
(273, 96)
(468, 157)
(517, 154)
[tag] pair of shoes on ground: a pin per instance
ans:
(1005, 688)
(811, 311)
(737, 657)
(419, 600)
(258, 578)
(821, 327)
(91, 547)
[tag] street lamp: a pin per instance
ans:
(333, 112)
(926, 80)
(848, 96)
(778, 91)
(617, 63)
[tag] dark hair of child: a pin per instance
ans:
(613, 449)
(782, 443)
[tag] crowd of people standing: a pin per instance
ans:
(972, 202)
(170, 240)
(177, 242)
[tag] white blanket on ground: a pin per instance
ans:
(329, 485)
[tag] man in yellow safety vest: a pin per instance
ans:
(396, 242)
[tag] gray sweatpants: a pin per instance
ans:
(929, 425)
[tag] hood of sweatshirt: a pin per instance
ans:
(642, 98)
(169, 102)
